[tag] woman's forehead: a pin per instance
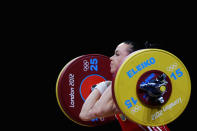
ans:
(121, 47)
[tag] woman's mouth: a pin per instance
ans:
(111, 64)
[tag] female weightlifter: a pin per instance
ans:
(100, 102)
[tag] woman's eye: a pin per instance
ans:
(116, 53)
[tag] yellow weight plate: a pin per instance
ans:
(134, 69)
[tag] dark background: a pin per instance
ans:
(46, 40)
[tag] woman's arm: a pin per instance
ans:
(97, 105)
(87, 113)
(105, 106)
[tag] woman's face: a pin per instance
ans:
(120, 53)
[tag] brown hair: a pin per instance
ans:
(132, 46)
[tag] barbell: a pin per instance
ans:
(151, 86)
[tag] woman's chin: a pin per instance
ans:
(112, 71)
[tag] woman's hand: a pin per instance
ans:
(99, 103)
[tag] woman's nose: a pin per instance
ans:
(111, 58)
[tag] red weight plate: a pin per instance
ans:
(74, 85)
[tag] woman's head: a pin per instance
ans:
(121, 51)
